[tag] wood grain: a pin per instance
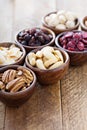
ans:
(74, 85)
(43, 110)
(5, 35)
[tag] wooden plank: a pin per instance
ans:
(5, 35)
(74, 99)
(74, 85)
(43, 110)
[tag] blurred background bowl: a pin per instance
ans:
(50, 76)
(82, 24)
(58, 31)
(17, 98)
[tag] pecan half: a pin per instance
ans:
(2, 86)
(11, 84)
(8, 75)
(20, 84)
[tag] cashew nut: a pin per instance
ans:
(47, 48)
(57, 64)
(59, 55)
(49, 55)
(39, 64)
(49, 62)
(39, 54)
(32, 58)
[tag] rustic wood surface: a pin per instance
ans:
(62, 106)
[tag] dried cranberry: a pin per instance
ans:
(77, 35)
(80, 46)
(71, 49)
(84, 35)
(70, 44)
(84, 41)
(69, 35)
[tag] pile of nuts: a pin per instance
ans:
(34, 37)
(9, 55)
(61, 20)
(46, 58)
(74, 41)
(15, 80)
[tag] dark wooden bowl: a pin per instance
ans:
(22, 58)
(29, 48)
(82, 24)
(76, 57)
(58, 31)
(47, 77)
(18, 98)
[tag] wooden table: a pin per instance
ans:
(62, 106)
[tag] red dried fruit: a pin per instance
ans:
(84, 40)
(70, 44)
(80, 46)
(76, 41)
(84, 35)
(77, 36)
(69, 35)
(71, 49)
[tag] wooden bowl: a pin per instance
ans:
(47, 77)
(29, 48)
(58, 31)
(82, 24)
(17, 98)
(76, 57)
(20, 61)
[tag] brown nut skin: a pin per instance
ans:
(18, 98)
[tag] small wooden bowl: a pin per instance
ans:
(82, 23)
(20, 61)
(76, 57)
(18, 98)
(47, 77)
(58, 31)
(29, 48)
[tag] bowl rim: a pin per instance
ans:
(67, 60)
(23, 91)
(58, 45)
(52, 28)
(17, 45)
(82, 22)
(31, 47)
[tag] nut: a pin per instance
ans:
(49, 57)
(8, 75)
(15, 80)
(2, 86)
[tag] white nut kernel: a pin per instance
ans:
(39, 54)
(32, 58)
(39, 64)
(57, 64)
(70, 24)
(61, 26)
(49, 62)
(62, 19)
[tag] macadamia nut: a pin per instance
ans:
(61, 20)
